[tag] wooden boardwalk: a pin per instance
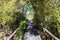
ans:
(31, 33)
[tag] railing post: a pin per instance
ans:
(4, 28)
(5, 36)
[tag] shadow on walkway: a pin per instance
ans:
(31, 33)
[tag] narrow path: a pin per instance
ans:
(31, 33)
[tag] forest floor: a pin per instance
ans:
(31, 33)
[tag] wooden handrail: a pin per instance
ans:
(51, 34)
(8, 38)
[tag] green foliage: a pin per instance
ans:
(20, 32)
(9, 15)
(6, 12)
(47, 12)
(23, 24)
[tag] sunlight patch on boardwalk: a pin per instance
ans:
(29, 36)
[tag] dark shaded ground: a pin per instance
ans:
(31, 33)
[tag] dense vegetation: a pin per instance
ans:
(46, 13)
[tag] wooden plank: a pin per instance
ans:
(8, 38)
(51, 34)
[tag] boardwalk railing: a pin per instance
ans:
(45, 30)
(54, 37)
(9, 37)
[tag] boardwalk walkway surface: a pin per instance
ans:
(31, 33)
